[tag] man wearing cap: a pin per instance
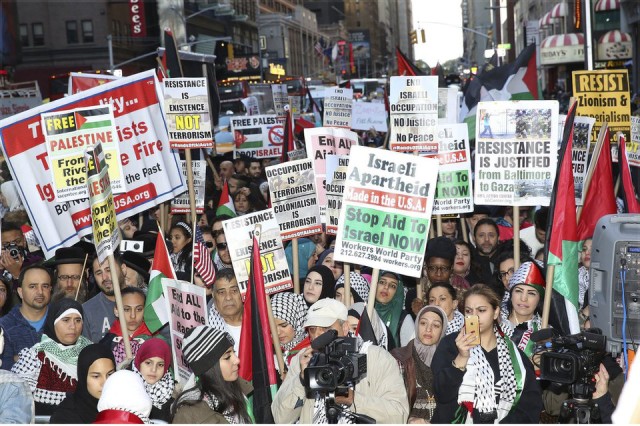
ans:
(69, 277)
(135, 269)
(381, 394)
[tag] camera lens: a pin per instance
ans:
(562, 366)
(325, 377)
(136, 246)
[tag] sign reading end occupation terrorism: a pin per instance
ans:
(186, 103)
(386, 210)
(294, 200)
(274, 263)
(414, 114)
(516, 152)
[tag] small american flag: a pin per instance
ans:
(202, 260)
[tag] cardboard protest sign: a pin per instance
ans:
(413, 102)
(106, 233)
(336, 176)
(151, 170)
(280, 98)
(81, 81)
(182, 204)
(386, 210)
(605, 96)
(187, 304)
(447, 105)
(251, 105)
(320, 142)
(186, 103)
(633, 146)
(516, 152)
(19, 97)
(337, 107)
(297, 105)
(274, 263)
(369, 115)
(453, 191)
(258, 136)
(294, 200)
(580, 152)
(68, 134)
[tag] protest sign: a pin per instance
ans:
(336, 175)
(251, 105)
(413, 102)
(68, 134)
(516, 152)
(633, 146)
(337, 107)
(151, 170)
(106, 233)
(81, 81)
(447, 105)
(186, 102)
(297, 105)
(369, 115)
(187, 305)
(294, 200)
(181, 204)
(258, 136)
(386, 210)
(321, 141)
(453, 191)
(580, 152)
(274, 263)
(19, 97)
(605, 96)
(280, 98)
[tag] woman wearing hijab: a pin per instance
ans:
(95, 365)
(219, 395)
(415, 362)
(124, 400)
(289, 313)
(389, 305)
(359, 288)
(152, 363)
(318, 284)
(50, 366)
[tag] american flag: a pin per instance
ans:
(202, 260)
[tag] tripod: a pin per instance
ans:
(334, 410)
(580, 409)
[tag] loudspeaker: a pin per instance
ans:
(614, 279)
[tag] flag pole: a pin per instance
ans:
(84, 266)
(192, 206)
(373, 288)
(546, 307)
(439, 225)
(120, 307)
(163, 218)
(463, 228)
(516, 237)
(346, 299)
(296, 266)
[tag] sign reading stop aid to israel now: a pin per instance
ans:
(386, 210)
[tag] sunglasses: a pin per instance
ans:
(221, 246)
(209, 244)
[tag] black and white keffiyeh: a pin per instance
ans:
(215, 320)
(456, 323)
(160, 392)
(292, 308)
(358, 283)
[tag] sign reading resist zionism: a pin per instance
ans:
(386, 210)
(336, 176)
(337, 107)
(605, 96)
(274, 263)
(186, 103)
(413, 102)
(68, 134)
(294, 199)
(453, 191)
(516, 152)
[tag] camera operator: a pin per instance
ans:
(381, 394)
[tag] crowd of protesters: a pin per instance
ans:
(64, 350)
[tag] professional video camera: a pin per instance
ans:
(336, 366)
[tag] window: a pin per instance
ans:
(72, 32)
(24, 35)
(87, 31)
(38, 33)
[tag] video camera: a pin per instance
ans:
(572, 360)
(336, 366)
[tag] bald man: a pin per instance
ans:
(226, 169)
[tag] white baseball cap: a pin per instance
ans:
(325, 312)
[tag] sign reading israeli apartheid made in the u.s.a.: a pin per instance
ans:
(274, 263)
(151, 170)
(516, 152)
(384, 221)
(454, 189)
(294, 200)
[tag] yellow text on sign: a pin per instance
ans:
(268, 263)
(61, 122)
(187, 122)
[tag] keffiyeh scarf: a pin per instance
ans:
(456, 323)
(480, 391)
(63, 357)
(291, 308)
(160, 392)
(525, 344)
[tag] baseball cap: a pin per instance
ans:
(325, 312)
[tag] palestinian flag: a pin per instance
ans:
(365, 328)
(562, 237)
(92, 118)
(405, 66)
(256, 346)
(225, 205)
(155, 310)
(630, 199)
(171, 60)
(288, 143)
(600, 199)
(515, 81)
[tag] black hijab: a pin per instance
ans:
(56, 310)
(81, 406)
(328, 282)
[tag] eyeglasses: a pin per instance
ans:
(68, 277)
(209, 244)
(438, 269)
(221, 246)
(505, 274)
